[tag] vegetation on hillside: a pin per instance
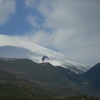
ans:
(23, 79)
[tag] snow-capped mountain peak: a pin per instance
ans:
(35, 53)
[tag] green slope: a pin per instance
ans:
(26, 74)
(14, 88)
(48, 78)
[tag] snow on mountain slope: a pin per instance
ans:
(57, 59)
(35, 53)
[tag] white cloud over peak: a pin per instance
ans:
(74, 27)
(7, 7)
(68, 26)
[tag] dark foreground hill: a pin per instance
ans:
(94, 75)
(48, 78)
(60, 82)
(15, 88)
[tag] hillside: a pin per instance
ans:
(13, 87)
(47, 77)
(93, 75)
(58, 80)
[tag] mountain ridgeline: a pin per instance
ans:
(51, 80)
(94, 75)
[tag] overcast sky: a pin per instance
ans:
(71, 27)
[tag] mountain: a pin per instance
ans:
(47, 78)
(86, 83)
(93, 75)
(13, 87)
(35, 53)
(59, 80)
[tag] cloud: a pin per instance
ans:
(70, 27)
(74, 28)
(30, 3)
(7, 7)
(33, 21)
